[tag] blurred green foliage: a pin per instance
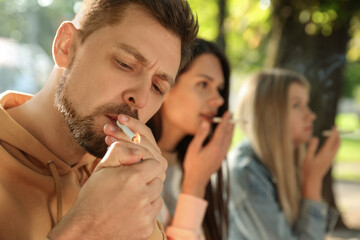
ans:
(246, 30)
(26, 21)
(247, 27)
(349, 151)
(348, 122)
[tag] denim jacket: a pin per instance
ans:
(255, 212)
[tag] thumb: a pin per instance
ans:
(121, 154)
(200, 136)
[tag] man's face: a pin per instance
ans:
(126, 68)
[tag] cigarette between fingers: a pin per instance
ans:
(135, 137)
(327, 133)
(219, 119)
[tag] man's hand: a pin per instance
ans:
(121, 199)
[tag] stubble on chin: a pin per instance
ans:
(83, 128)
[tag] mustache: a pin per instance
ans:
(117, 109)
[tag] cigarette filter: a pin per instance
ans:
(135, 137)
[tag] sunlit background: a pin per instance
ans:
(27, 28)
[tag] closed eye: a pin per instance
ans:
(123, 65)
(203, 84)
(296, 105)
(157, 89)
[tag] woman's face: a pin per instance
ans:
(196, 95)
(300, 116)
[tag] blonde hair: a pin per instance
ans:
(263, 109)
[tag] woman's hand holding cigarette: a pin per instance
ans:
(202, 161)
(316, 165)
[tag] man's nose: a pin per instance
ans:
(137, 95)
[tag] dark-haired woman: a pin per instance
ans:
(195, 191)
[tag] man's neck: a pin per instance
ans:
(41, 119)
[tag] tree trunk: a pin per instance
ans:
(321, 59)
(221, 32)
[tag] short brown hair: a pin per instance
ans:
(174, 15)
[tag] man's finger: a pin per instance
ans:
(156, 206)
(121, 153)
(155, 188)
(149, 169)
(138, 127)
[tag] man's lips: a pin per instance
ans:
(112, 118)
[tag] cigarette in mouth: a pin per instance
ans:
(219, 119)
(135, 137)
(326, 133)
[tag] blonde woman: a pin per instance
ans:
(281, 180)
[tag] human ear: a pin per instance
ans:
(64, 45)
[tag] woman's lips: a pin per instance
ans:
(207, 117)
(309, 129)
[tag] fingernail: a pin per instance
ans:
(111, 128)
(124, 118)
(110, 139)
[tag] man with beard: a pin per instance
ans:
(114, 62)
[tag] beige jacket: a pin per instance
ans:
(36, 188)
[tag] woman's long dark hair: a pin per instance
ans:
(216, 220)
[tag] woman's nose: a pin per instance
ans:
(216, 100)
(311, 115)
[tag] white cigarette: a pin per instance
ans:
(135, 137)
(219, 119)
(326, 133)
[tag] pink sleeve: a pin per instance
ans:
(188, 218)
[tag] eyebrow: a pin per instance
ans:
(222, 85)
(297, 98)
(167, 78)
(133, 52)
(206, 76)
(139, 57)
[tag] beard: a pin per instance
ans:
(83, 128)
